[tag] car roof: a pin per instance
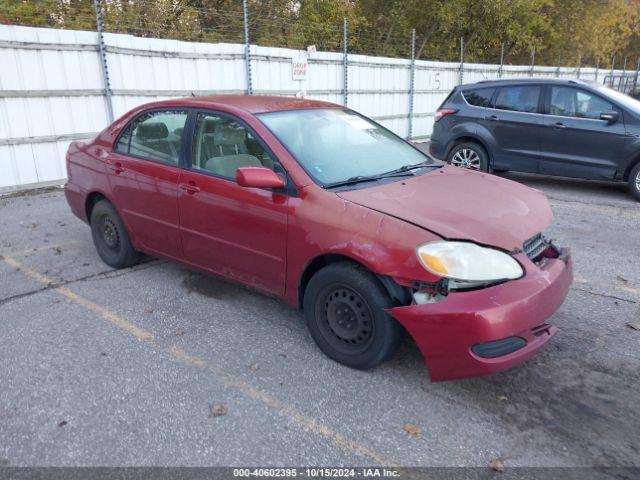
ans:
(519, 81)
(249, 103)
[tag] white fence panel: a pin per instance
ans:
(52, 91)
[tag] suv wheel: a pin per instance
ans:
(634, 181)
(344, 306)
(469, 155)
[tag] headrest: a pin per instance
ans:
(152, 131)
(210, 124)
(227, 135)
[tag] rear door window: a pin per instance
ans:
(155, 135)
(518, 98)
(479, 97)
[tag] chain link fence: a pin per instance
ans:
(97, 59)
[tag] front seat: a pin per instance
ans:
(230, 152)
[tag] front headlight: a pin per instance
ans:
(468, 262)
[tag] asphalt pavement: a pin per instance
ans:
(158, 365)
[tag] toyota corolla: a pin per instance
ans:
(316, 205)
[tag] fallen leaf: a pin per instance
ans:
(283, 355)
(253, 366)
(217, 409)
(179, 332)
(622, 279)
(502, 398)
(57, 251)
(497, 465)
(62, 423)
(148, 310)
(412, 429)
(634, 326)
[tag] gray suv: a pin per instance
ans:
(570, 128)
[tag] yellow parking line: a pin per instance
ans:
(305, 421)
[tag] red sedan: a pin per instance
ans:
(321, 207)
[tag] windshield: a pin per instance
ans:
(335, 145)
(622, 98)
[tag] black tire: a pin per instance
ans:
(634, 182)
(344, 307)
(458, 155)
(110, 237)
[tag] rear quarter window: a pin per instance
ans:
(479, 97)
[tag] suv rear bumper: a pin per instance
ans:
(449, 332)
(437, 149)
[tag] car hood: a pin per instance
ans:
(462, 205)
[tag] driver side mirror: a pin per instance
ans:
(610, 117)
(258, 177)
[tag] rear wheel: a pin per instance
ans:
(344, 307)
(470, 156)
(634, 182)
(110, 237)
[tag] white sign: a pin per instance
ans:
(299, 67)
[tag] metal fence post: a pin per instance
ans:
(501, 60)
(461, 79)
(597, 69)
(345, 62)
(247, 46)
(579, 65)
(412, 73)
(613, 63)
(103, 60)
(533, 59)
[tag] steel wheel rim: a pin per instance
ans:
(466, 158)
(110, 233)
(638, 181)
(345, 319)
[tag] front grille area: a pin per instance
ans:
(534, 247)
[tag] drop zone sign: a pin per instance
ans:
(299, 67)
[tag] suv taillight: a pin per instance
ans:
(443, 112)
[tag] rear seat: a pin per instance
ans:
(152, 140)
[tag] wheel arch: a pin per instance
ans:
(632, 164)
(398, 294)
(468, 138)
(91, 200)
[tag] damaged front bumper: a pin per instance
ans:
(492, 329)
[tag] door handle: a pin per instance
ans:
(559, 125)
(493, 118)
(116, 167)
(191, 187)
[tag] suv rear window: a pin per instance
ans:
(480, 97)
(519, 98)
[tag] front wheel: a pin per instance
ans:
(634, 182)
(344, 307)
(470, 156)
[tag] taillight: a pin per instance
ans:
(443, 112)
